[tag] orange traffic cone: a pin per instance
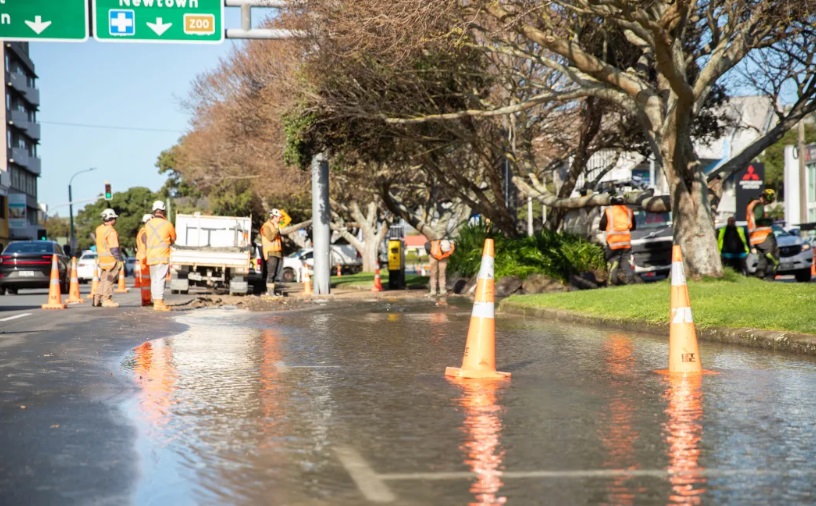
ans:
(339, 271)
(95, 282)
(73, 291)
(813, 267)
(684, 354)
(377, 281)
(54, 293)
(137, 275)
(145, 282)
(307, 282)
(479, 361)
(121, 288)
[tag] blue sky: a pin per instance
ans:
(137, 86)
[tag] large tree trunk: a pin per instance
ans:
(373, 230)
(693, 223)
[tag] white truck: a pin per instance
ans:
(212, 251)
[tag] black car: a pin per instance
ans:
(27, 264)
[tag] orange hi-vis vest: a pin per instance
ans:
(272, 245)
(618, 224)
(161, 234)
(756, 235)
(141, 245)
(106, 239)
(436, 250)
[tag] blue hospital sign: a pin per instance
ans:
(121, 22)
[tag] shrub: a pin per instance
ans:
(556, 255)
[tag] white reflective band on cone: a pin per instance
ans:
(483, 310)
(486, 270)
(678, 274)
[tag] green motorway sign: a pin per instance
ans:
(168, 21)
(43, 20)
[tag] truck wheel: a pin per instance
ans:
(288, 275)
(803, 276)
(184, 292)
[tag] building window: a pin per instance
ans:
(3, 206)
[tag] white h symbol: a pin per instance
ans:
(121, 22)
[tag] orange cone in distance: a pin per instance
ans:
(54, 292)
(339, 271)
(137, 275)
(145, 282)
(307, 281)
(73, 290)
(479, 361)
(377, 281)
(121, 288)
(95, 282)
(684, 354)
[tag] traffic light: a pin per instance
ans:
(42, 235)
(108, 193)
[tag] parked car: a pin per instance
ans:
(652, 244)
(27, 264)
(795, 255)
(344, 255)
(86, 265)
(130, 265)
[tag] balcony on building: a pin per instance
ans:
(20, 157)
(17, 81)
(19, 119)
(32, 96)
(34, 165)
(33, 130)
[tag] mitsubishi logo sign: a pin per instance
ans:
(750, 174)
(749, 184)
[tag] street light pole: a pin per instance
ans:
(72, 240)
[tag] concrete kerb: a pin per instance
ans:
(776, 340)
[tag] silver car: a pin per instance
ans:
(795, 256)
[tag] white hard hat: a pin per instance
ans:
(275, 212)
(109, 214)
(146, 218)
(158, 206)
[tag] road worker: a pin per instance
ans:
(761, 236)
(109, 258)
(438, 252)
(272, 248)
(161, 234)
(617, 222)
(733, 246)
(141, 243)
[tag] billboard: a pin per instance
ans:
(17, 210)
(749, 184)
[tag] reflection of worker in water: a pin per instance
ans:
(617, 222)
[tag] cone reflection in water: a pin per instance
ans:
(73, 291)
(156, 375)
(122, 288)
(684, 353)
(684, 431)
(54, 290)
(618, 434)
(271, 398)
(482, 447)
(479, 361)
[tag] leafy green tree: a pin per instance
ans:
(56, 226)
(130, 205)
(237, 199)
(774, 158)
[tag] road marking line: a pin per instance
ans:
(369, 482)
(15, 317)
(599, 473)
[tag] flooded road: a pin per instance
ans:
(348, 404)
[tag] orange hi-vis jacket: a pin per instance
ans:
(437, 253)
(618, 226)
(141, 245)
(161, 234)
(756, 235)
(106, 239)
(270, 239)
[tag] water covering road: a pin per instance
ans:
(348, 404)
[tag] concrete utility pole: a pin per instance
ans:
(803, 217)
(321, 232)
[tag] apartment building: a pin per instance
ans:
(21, 167)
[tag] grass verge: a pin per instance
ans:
(735, 302)
(365, 280)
